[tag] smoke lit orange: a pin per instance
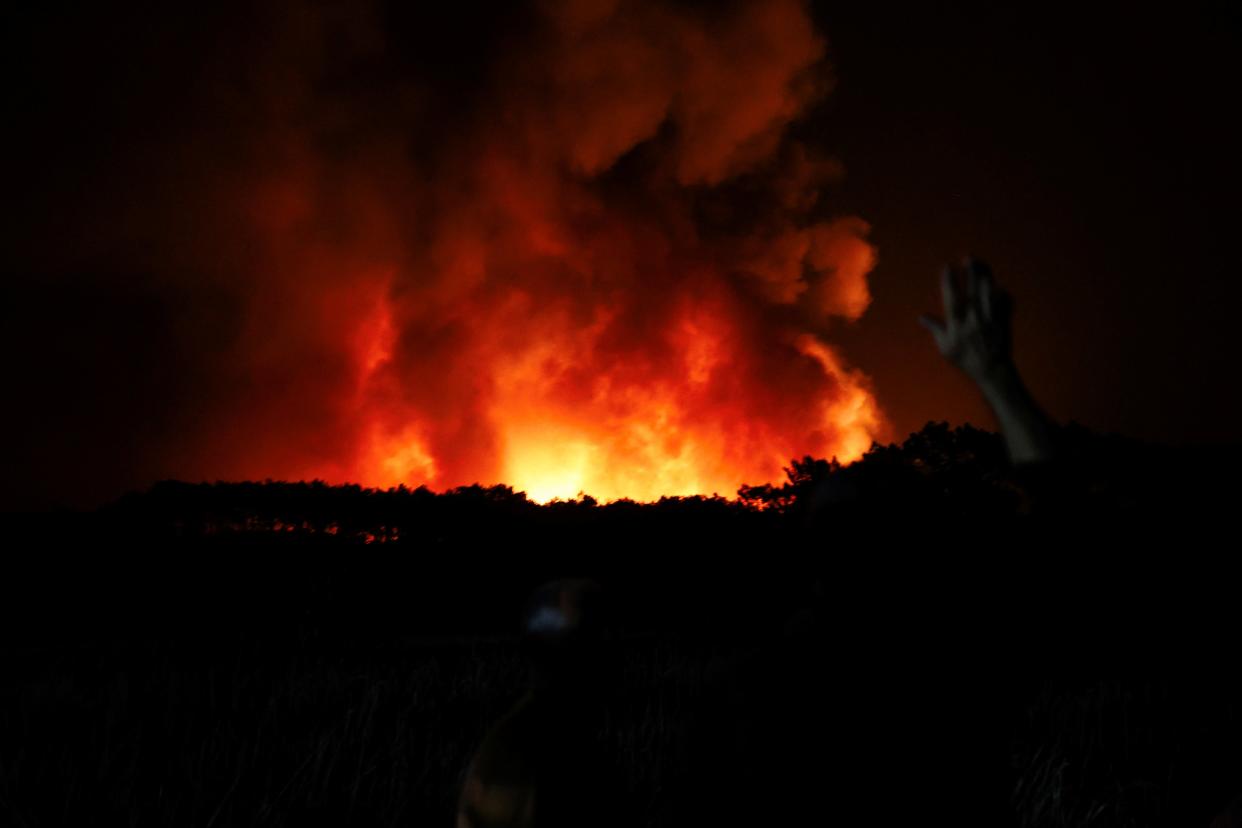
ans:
(609, 271)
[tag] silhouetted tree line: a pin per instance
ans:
(938, 473)
(917, 526)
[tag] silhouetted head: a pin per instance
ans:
(562, 626)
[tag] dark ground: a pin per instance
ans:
(242, 655)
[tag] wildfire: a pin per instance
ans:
(600, 263)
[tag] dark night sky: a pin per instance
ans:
(1090, 156)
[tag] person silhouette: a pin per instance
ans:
(1063, 472)
(975, 334)
(542, 763)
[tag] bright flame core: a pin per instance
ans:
(613, 275)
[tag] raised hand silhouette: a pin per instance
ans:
(975, 334)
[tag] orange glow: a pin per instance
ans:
(560, 291)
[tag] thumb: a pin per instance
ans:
(936, 327)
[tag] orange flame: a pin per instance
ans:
(609, 272)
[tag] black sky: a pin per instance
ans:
(1092, 155)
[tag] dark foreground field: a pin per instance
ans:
(919, 646)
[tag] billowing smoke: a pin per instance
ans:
(573, 249)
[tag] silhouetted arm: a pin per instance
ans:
(975, 335)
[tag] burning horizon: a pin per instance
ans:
(590, 259)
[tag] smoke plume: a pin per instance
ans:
(575, 247)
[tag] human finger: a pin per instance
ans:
(937, 329)
(972, 280)
(985, 289)
(953, 305)
(1003, 313)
